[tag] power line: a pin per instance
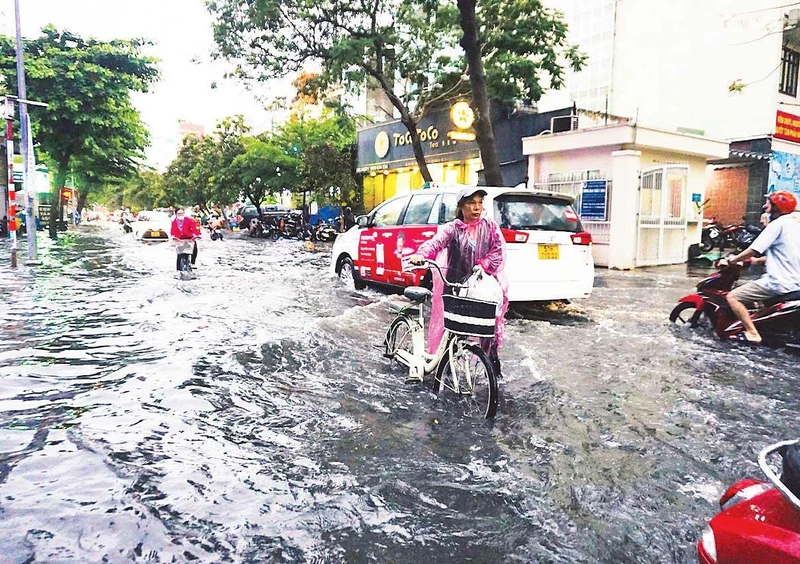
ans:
(768, 9)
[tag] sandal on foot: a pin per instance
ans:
(743, 338)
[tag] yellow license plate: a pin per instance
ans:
(158, 234)
(548, 252)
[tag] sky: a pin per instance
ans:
(183, 38)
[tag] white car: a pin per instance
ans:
(152, 226)
(548, 253)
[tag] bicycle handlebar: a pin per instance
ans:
(429, 262)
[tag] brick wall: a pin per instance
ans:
(727, 194)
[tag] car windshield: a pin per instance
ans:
(532, 212)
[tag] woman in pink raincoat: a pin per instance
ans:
(469, 240)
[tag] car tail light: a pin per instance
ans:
(709, 544)
(742, 490)
(582, 238)
(512, 236)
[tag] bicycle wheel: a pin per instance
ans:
(467, 378)
(398, 337)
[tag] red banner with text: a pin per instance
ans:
(787, 127)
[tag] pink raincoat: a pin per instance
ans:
(457, 247)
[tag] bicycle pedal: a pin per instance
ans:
(413, 379)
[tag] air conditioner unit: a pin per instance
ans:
(560, 124)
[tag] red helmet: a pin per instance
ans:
(785, 201)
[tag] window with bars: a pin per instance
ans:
(790, 64)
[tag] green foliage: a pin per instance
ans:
(90, 124)
(383, 40)
(144, 191)
(524, 45)
(199, 174)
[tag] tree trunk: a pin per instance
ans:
(407, 119)
(55, 203)
(484, 133)
(82, 196)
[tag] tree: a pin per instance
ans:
(509, 46)
(198, 174)
(379, 41)
(87, 85)
(187, 178)
(263, 169)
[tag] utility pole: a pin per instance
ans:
(12, 197)
(26, 146)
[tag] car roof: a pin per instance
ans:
(493, 191)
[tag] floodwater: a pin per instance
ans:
(247, 416)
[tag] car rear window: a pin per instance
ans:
(521, 212)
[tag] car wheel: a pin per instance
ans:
(349, 275)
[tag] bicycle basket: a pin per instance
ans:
(466, 316)
(184, 247)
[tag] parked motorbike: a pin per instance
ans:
(306, 232)
(735, 237)
(778, 321)
(126, 225)
(326, 232)
(760, 520)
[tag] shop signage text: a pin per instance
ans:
(787, 127)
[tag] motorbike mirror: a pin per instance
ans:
(362, 221)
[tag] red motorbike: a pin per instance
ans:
(759, 521)
(778, 321)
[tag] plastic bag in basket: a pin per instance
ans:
(484, 287)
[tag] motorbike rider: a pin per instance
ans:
(780, 244)
(185, 228)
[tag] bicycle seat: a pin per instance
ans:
(417, 294)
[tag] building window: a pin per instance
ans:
(790, 64)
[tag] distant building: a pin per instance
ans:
(186, 128)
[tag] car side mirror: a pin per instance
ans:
(362, 221)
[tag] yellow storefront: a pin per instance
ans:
(386, 154)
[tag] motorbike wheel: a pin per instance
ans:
(274, 234)
(706, 244)
(214, 236)
(685, 313)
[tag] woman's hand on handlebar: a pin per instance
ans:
(417, 260)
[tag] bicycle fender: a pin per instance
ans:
(695, 299)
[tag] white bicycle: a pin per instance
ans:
(462, 371)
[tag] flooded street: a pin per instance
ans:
(247, 416)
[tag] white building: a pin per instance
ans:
(678, 65)
(662, 77)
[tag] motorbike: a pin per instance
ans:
(126, 225)
(306, 232)
(216, 232)
(778, 321)
(736, 237)
(759, 520)
(326, 232)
